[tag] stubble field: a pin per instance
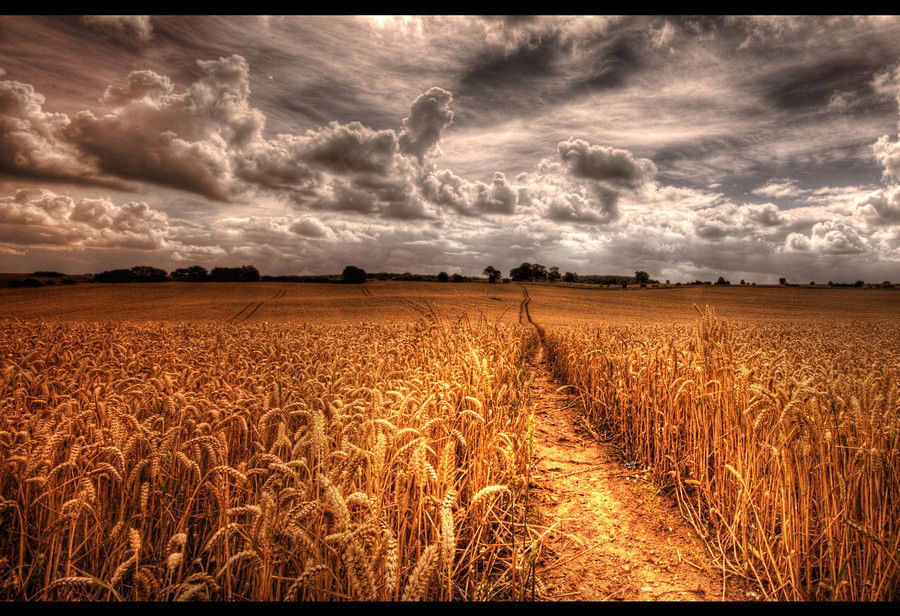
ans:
(312, 441)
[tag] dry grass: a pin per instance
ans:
(152, 461)
(781, 442)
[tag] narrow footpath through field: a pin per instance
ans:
(611, 535)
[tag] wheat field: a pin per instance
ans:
(263, 463)
(780, 441)
(391, 459)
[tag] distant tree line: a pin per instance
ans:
(535, 272)
(526, 272)
(195, 273)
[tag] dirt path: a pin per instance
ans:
(611, 537)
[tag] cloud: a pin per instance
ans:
(32, 141)
(828, 237)
(779, 189)
(42, 217)
(429, 116)
(136, 26)
(732, 220)
(614, 167)
(309, 227)
(599, 208)
(887, 152)
(185, 140)
(766, 215)
(568, 140)
(882, 206)
(138, 84)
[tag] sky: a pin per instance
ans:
(749, 147)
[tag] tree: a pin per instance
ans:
(553, 275)
(722, 281)
(521, 273)
(245, 273)
(811, 283)
(194, 273)
(782, 281)
(492, 273)
(456, 278)
(443, 277)
(147, 273)
(859, 284)
(116, 275)
(641, 277)
(742, 282)
(354, 275)
(570, 277)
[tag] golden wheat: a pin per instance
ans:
(184, 462)
(781, 442)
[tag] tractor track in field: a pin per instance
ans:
(608, 533)
(247, 311)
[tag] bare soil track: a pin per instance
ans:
(609, 534)
(247, 311)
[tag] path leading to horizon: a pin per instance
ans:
(611, 535)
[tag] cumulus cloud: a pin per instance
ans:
(447, 190)
(729, 219)
(882, 206)
(32, 142)
(309, 227)
(615, 167)
(138, 84)
(599, 208)
(43, 217)
(828, 237)
(887, 152)
(429, 116)
(181, 139)
(137, 26)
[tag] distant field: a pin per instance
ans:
(388, 301)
